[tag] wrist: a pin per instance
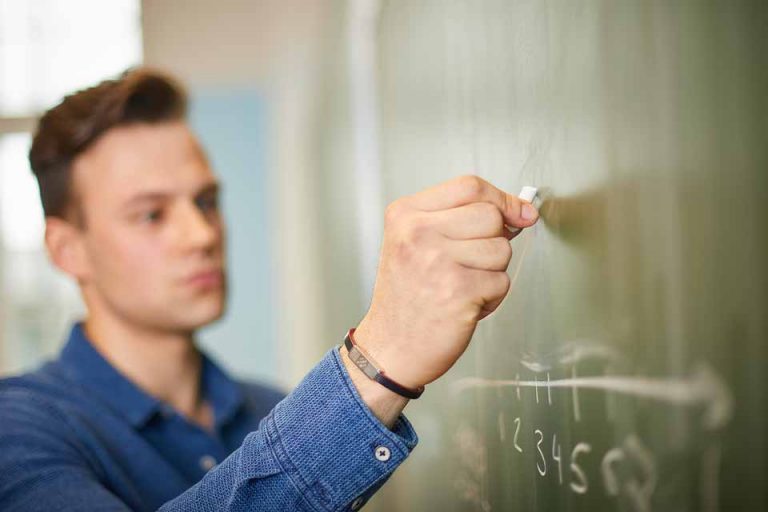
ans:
(386, 405)
(393, 361)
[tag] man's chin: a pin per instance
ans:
(215, 317)
(198, 316)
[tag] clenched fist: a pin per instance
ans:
(442, 269)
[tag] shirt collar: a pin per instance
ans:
(86, 365)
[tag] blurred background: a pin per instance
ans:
(643, 122)
(264, 76)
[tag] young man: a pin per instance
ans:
(132, 416)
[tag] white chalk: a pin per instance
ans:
(528, 193)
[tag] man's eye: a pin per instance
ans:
(152, 216)
(207, 203)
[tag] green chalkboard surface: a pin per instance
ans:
(627, 368)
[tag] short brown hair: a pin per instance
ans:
(139, 95)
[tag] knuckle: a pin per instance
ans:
(487, 215)
(486, 209)
(410, 238)
(495, 287)
(416, 231)
(472, 185)
(494, 216)
(393, 212)
(503, 283)
(503, 248)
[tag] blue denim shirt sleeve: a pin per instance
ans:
(315, 451)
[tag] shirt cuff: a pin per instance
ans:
(334, 450)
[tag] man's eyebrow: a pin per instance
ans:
(146, 197)
(211, 188)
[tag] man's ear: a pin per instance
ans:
(65, 245)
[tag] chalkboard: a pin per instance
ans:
(627, 368)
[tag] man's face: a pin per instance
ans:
(152, 232)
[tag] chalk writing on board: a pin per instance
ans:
(702, 388)
(627, 469)
(640, 487)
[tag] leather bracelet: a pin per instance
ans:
(357, 356)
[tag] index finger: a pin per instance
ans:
(465, 190)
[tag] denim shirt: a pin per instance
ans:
(77, 435)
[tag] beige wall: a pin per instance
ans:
(206, 42)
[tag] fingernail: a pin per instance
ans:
(529, 212)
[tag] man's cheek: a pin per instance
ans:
(140, 263)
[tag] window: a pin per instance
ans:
(49, 48)
(21, 213)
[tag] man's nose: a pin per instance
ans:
(198, 231)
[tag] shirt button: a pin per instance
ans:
(357, 503)
(382, 453)
(207, 462)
